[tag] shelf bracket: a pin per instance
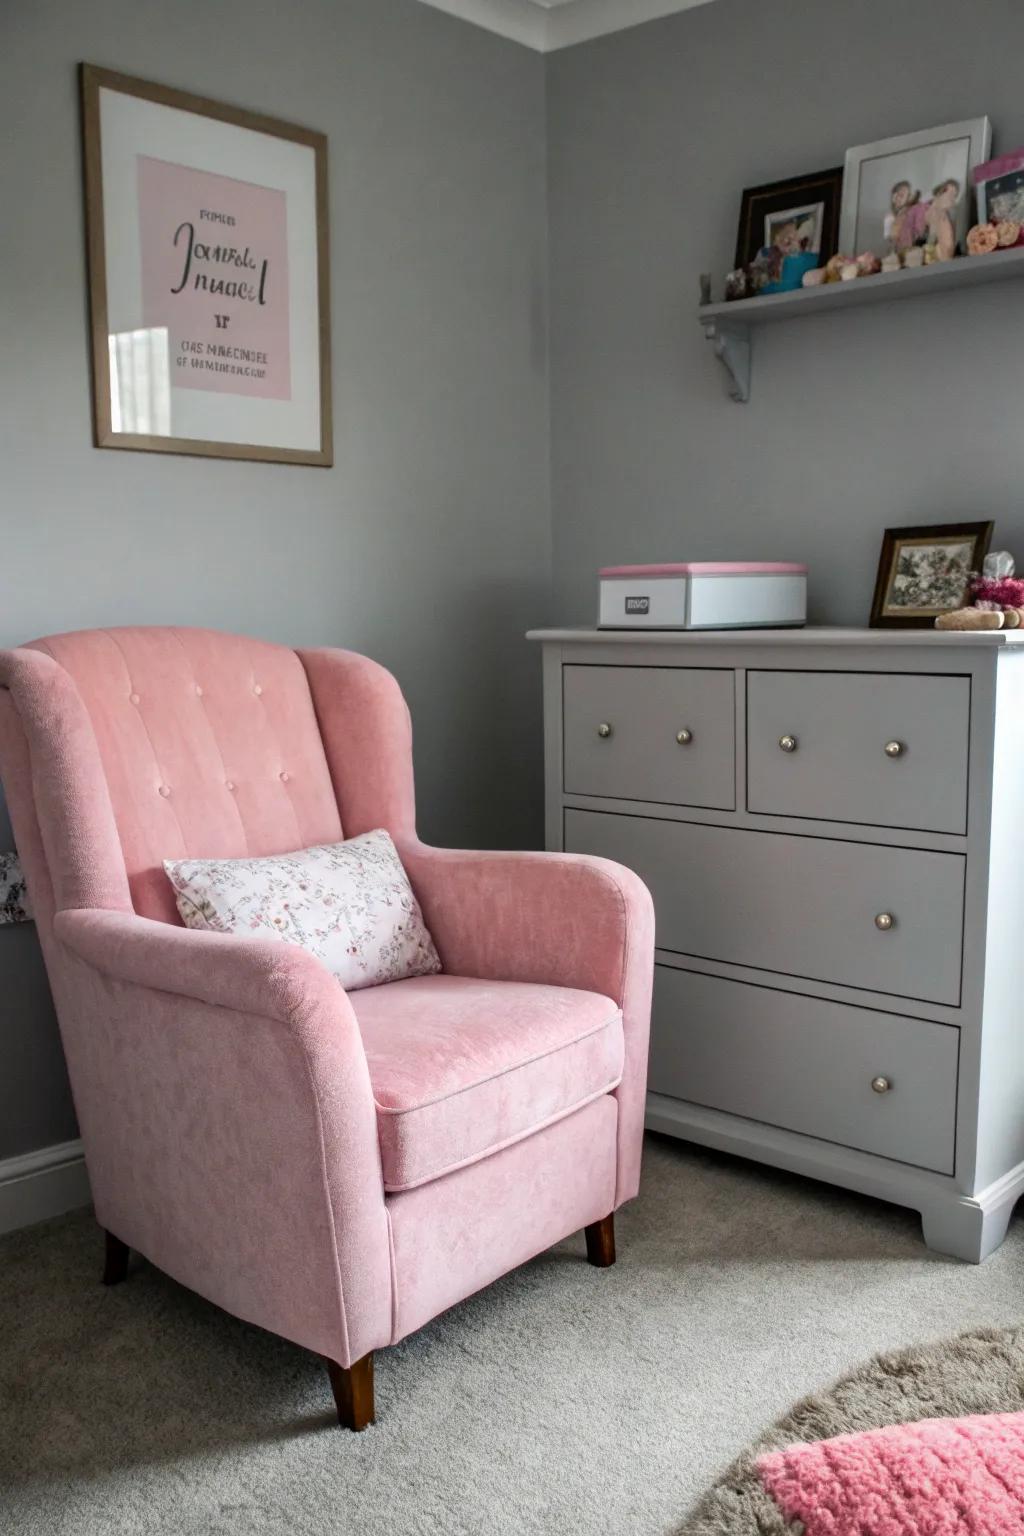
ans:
(732, 348)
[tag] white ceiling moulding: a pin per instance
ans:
(549, 24)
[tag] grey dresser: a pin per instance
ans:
(831, 822)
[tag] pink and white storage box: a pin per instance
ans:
(703, 594)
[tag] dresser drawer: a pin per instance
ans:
(650, 733)
(803, 906)
(807, 1065)
(888, 749)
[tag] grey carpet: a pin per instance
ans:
(562, 1399)
(981, 1372)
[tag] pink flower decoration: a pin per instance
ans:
(1006, 592)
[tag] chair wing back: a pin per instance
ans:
(153, 743)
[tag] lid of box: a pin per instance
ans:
(709, 568)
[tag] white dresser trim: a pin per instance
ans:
(934, 641)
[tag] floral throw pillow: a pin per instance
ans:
(350, 904)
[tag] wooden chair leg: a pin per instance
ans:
(115, 1266)
(353, 1392)
(601, 1242)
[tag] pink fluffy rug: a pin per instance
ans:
(940, 1477)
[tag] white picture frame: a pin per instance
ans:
(921, 162)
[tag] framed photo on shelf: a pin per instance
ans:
(912, 190)
(793, 217)
(209, 288)
(926, 571)
(1000, 188)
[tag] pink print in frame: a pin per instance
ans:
(215, 274)
(209, 285)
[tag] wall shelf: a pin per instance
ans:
(728, 326)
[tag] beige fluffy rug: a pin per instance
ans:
(981, 1372)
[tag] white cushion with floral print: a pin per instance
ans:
(350, 904)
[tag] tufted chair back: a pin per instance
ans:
(152, 743)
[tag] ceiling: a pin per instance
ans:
(550, 24)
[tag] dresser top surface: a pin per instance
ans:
(812, 635)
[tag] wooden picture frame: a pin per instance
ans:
(234, 360)
(938, 560)
(819, 188)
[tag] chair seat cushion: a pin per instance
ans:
(462, 1067)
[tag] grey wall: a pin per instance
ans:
(428, 544)
(902, 414)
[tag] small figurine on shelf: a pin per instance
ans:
(736, 285)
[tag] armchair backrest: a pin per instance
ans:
(120, 748)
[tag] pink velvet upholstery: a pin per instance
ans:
(455, 1235)
(246, 1124)
(461, 1068)
(209, 745)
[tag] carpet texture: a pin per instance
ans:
(564, 1398)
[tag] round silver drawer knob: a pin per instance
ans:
(894, 749)
(684, 737)
(787, 743)
(880, 1085)
(884, 921)
(604, 730)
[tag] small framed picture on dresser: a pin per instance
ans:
(926, 571)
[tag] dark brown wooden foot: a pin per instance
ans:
(601, 1242)
(353, 1392)
(115, 1267)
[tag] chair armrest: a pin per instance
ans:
(229, 1124)
(569, 920)
(262, 976)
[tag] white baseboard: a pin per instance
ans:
(42, 1184)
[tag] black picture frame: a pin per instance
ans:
(885, 615)
(776, 196)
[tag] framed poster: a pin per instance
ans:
(208, 276)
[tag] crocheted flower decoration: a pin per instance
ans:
(982, 239)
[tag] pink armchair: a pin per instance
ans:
(337, 1168)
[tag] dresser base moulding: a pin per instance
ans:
(967, 1227)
